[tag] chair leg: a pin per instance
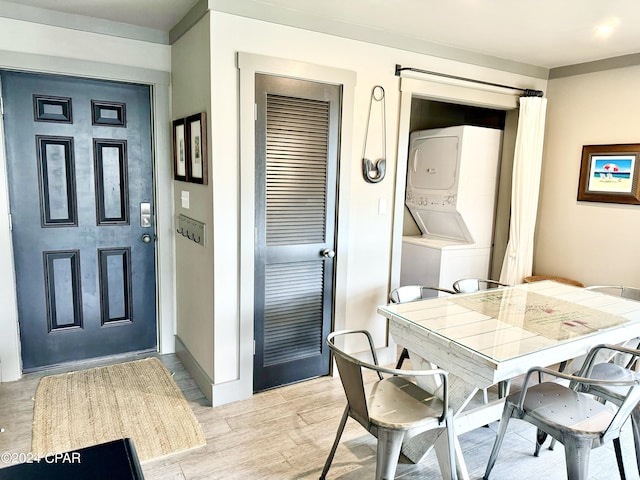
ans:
(343, 422)
(576, 456)
(563, 365)
(404, 355)
(388, 452)
(447, 452)
(618, 449)
(503, 388)
(635, 426)
(540, 438)
(451, 438)
(504, 422)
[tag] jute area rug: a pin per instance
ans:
(138, 399)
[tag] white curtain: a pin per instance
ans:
(527, 165)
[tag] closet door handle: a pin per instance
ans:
(328, 253)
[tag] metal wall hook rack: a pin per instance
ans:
(189, 235)
(191, 229)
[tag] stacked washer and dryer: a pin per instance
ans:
(451, 193)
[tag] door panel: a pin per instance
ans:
(112, 186)
(80, 165)
(57, 181)
(296, 163)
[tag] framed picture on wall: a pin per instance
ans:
(609, 174)
(196, 133)
(180, 151)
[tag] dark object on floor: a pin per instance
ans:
(115, 460)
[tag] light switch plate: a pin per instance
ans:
(184, 198)
(382, 206)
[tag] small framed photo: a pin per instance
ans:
(197, 136)
(609, 174)
(180, 151)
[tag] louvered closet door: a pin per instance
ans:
(297, 140)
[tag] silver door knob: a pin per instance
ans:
(146, 238)
(328, 253)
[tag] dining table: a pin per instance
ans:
(493, 336)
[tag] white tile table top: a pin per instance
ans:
(501, 324)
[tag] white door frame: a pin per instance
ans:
(159, 81)
(438, 91)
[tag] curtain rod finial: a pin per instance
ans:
(533, 93)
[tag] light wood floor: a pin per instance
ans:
(287, 432)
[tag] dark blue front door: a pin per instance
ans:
(80, 185)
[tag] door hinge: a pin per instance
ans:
(254, 347)
(255, 112)
(10, 223)
(2, 107)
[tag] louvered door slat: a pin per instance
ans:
(296, 156)
(293, 311)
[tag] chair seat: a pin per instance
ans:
(551, 403)
(399, 404)
(611, 371)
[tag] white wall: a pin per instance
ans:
(369, 233)
(595, 243)
(40, 48)
(191, 88)
(36, 38)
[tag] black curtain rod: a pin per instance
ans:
(526, 91)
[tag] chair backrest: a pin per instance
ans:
(411, 293)
(624, 410)
(617, 290)
(470, 285)
(350, 371)
(630, 401)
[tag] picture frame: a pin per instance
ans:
(609, 174)
(180, 151)
(196, 134)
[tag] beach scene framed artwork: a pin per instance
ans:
(609, 174)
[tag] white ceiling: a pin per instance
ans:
(544, 33)
(157, 14)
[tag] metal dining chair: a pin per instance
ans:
(391, 408)
(568, 414)
(608, 371)
(614, 394)
(412, 293)
(624, 292)
(616, 291)
(470, 285)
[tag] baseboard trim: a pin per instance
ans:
(205, 384)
